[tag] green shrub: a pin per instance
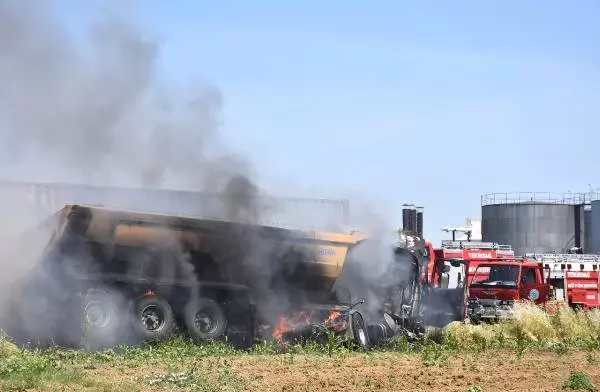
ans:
(579, 381)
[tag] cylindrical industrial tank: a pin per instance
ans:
(420, 223)
(532, 226)
(587, 230)
(595, 227)
(413, 221)
(409, 219)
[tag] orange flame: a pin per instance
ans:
(288, 324)
(332, 317)
(281, 328)
(334, 322)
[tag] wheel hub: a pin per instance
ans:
(205, 322)
(152, 318)
(97, 315)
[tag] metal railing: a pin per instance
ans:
(569, 198)
(449, 244)
(564, 257)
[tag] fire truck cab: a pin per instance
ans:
(497, 284)
(574, 277)
(472, 252)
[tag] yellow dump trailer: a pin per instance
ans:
(321, 254)
(148, 272)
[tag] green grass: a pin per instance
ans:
(22, 369)
(180, 363)
(196, 379)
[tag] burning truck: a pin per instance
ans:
(111, 276)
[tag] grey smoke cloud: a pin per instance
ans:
(101, 114)
(99, 111)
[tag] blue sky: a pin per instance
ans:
(430, 102)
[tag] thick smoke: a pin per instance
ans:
(95, 111)
(372, 269)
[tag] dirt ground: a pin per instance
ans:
(488, 371)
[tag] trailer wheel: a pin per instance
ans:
(153, 318)
(102, 318)
(205, 319)
(359, 331)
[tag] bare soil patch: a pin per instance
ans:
(488, 371)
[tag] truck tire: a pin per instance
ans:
(379, 332)
(102, 318)
(153, 318)
(359, 331)
(204, 319)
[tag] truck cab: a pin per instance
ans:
(475, 252)
(496, 285)
(575, 278)
(445, 294)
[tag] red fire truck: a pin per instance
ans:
(575, 278)
(472, 251)
(497, 284)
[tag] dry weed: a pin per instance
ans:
(531, 325)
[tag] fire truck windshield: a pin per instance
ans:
(496, 275)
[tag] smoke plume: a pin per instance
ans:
(95, 111)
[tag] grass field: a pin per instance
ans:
(535, 352)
